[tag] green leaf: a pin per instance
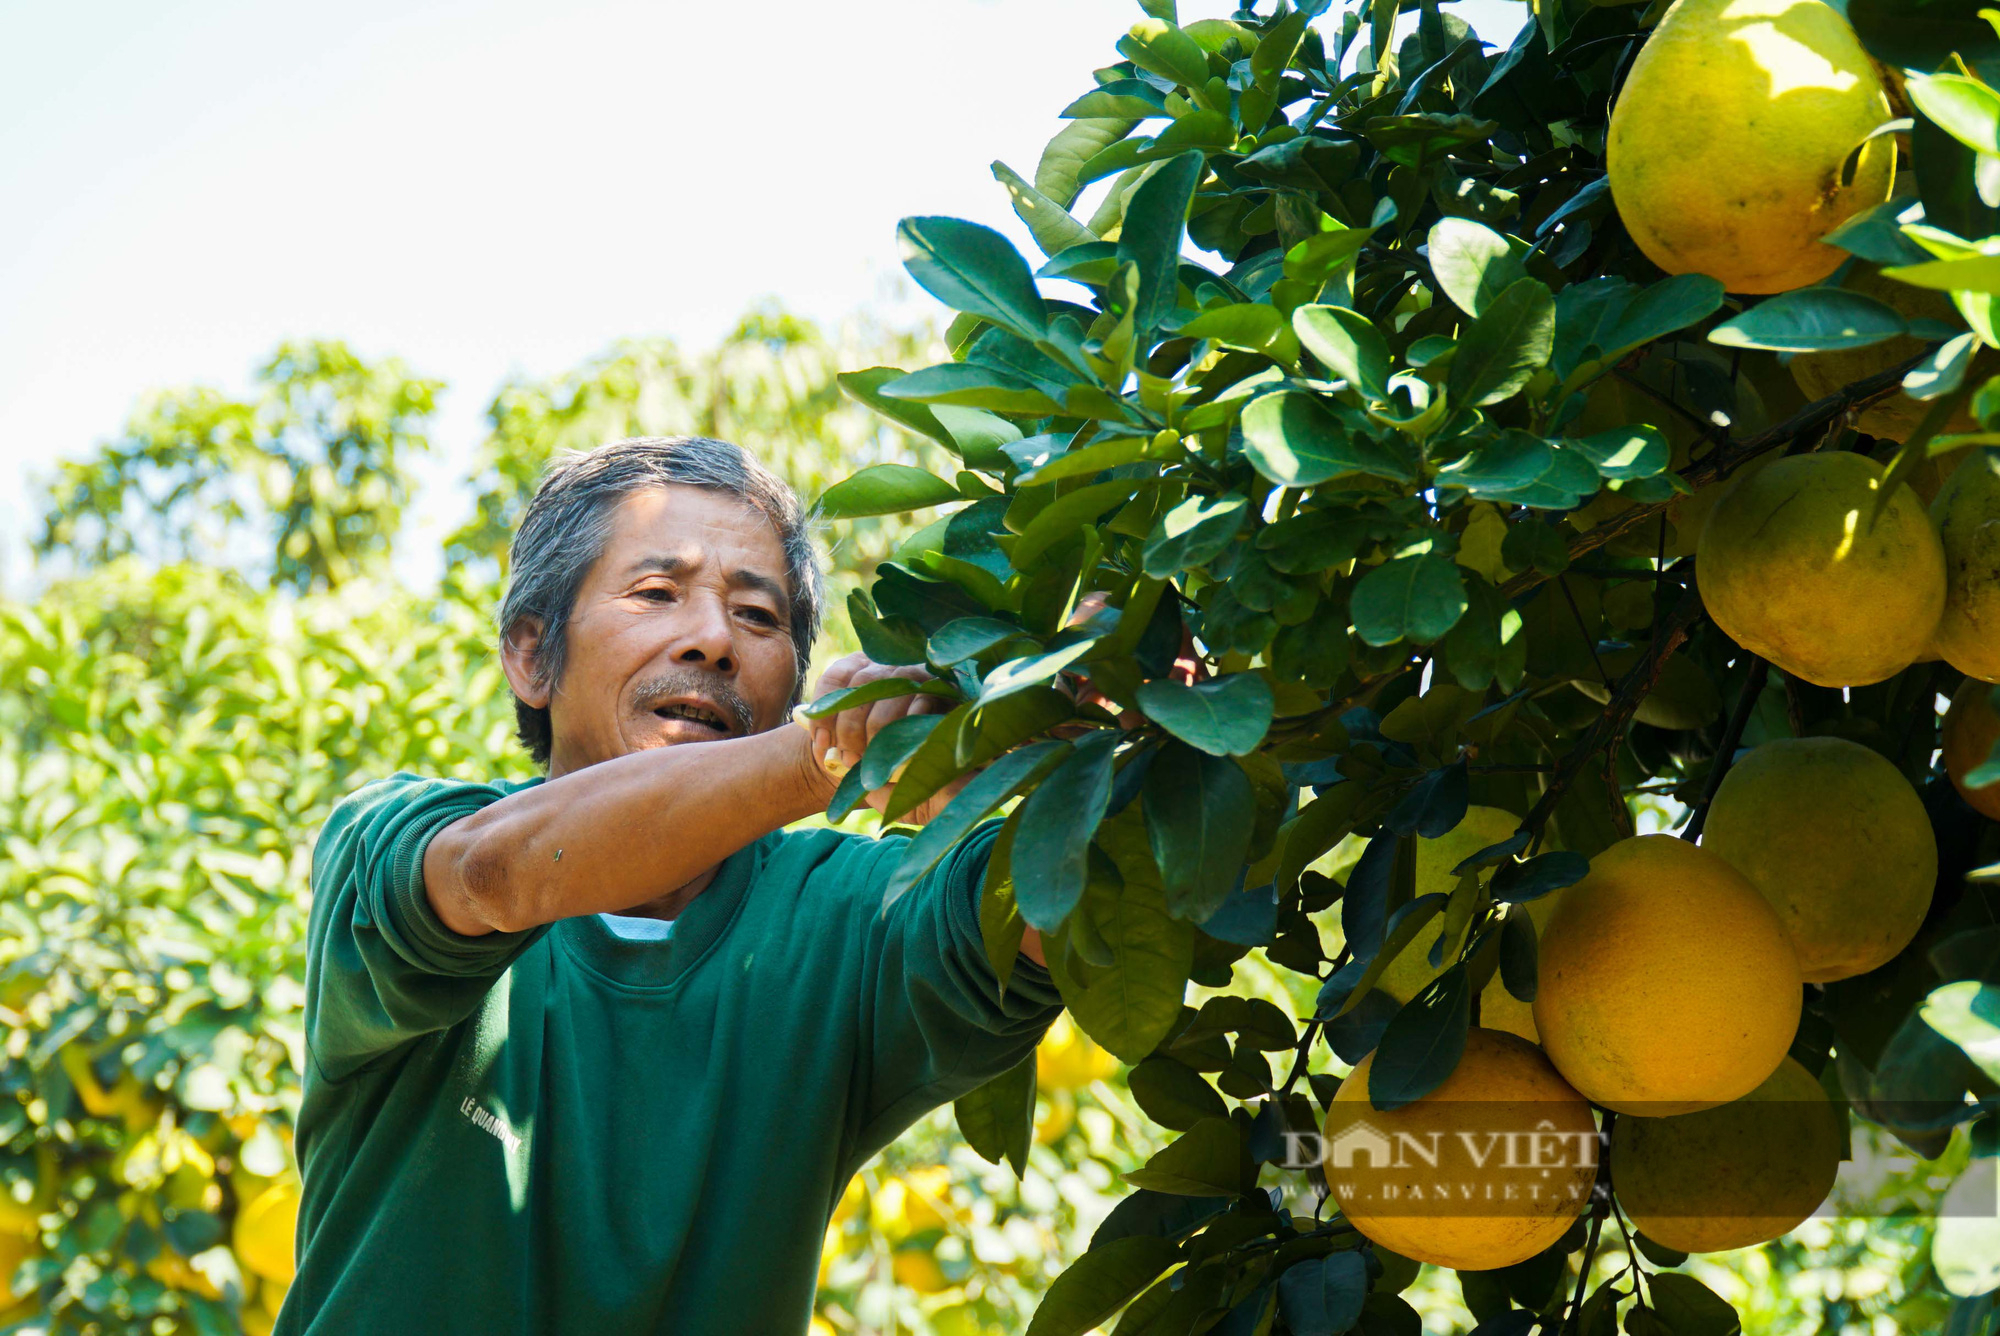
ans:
(1295, 439)
(883, 688)
(1101, 1282)
(1973, 273)
(1091, 459)
(1130, 1005)
(1323, 1296)
(1193, 533)
(972, 268)
(966, 638)
(1411, 598)
(1690, 1308)
(1158, 47)
(1662, 309)
(1048, 222)
(1473, 264)
(973, 386)
(1347, 344)
(1812, 320)
(1504, 347)
(1944, 370)
(1119, 98)
(885, 489)
(1207, 1161)
(1056, 175)
(1155, 217)
(1965, 1250)
(1519, 956)
(1501, 466)
(998, 1119)
(1877, 235)
(1424, 1042)
(1964, 108)
(1067, 514)
(1968, 1014)
(1922, 34)
(1174, 1095)
(974, 803)
(1226, 716)
(1020, 674)
(1199, 813)
(1050, 860)
(1624, 453)
(1251, 326)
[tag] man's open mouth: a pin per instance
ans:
(700, 714)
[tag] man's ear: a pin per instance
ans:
(517, 659)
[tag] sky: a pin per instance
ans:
(483, 189)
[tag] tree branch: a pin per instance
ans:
(1608, 727)
(1725, 750)
(1727, 457)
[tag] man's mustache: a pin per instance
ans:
(659, 690)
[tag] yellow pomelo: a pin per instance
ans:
(1666, 982)
(1967, 515)
(1971, 727)
(266, 1232)
(919, 1200)
(1729, 148)
(1509, 1204)
(1839, 843)
(1791, 567)
(14, 1250)
(21, 1214)
(1481, 828)
(1822, 374)
(1732, 1176)
(177, 1273)
(919, 1271)
(1068, 1059)
(852, 1198)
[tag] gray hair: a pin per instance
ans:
(568, 526)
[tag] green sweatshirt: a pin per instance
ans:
(562, 1130)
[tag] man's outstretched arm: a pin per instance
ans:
(630, 830)
(619, 833)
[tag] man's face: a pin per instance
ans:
(681, 632)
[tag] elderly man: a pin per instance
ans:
(598, 1052)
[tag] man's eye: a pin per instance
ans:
(657, 593)
(760, 616)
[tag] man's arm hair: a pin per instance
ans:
(619, 833)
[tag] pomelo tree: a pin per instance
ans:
(1349, 476)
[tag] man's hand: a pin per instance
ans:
(846, 735)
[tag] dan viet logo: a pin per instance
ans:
(1479, 1160)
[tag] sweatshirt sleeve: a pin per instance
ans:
(381, 968)
(936, 1024)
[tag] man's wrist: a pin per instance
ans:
(817, 780)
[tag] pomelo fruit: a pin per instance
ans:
(1971, 727)
(1792, 567)
(1732, 1176)
(1503, 1086)
(1732, 147)
(1667, 983)
(1839, 843)
(1967, 515)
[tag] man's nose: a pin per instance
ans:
(704, 634)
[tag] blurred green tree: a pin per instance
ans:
(307, 480)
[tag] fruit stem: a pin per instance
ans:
(1725, 750)
(1605, 730)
